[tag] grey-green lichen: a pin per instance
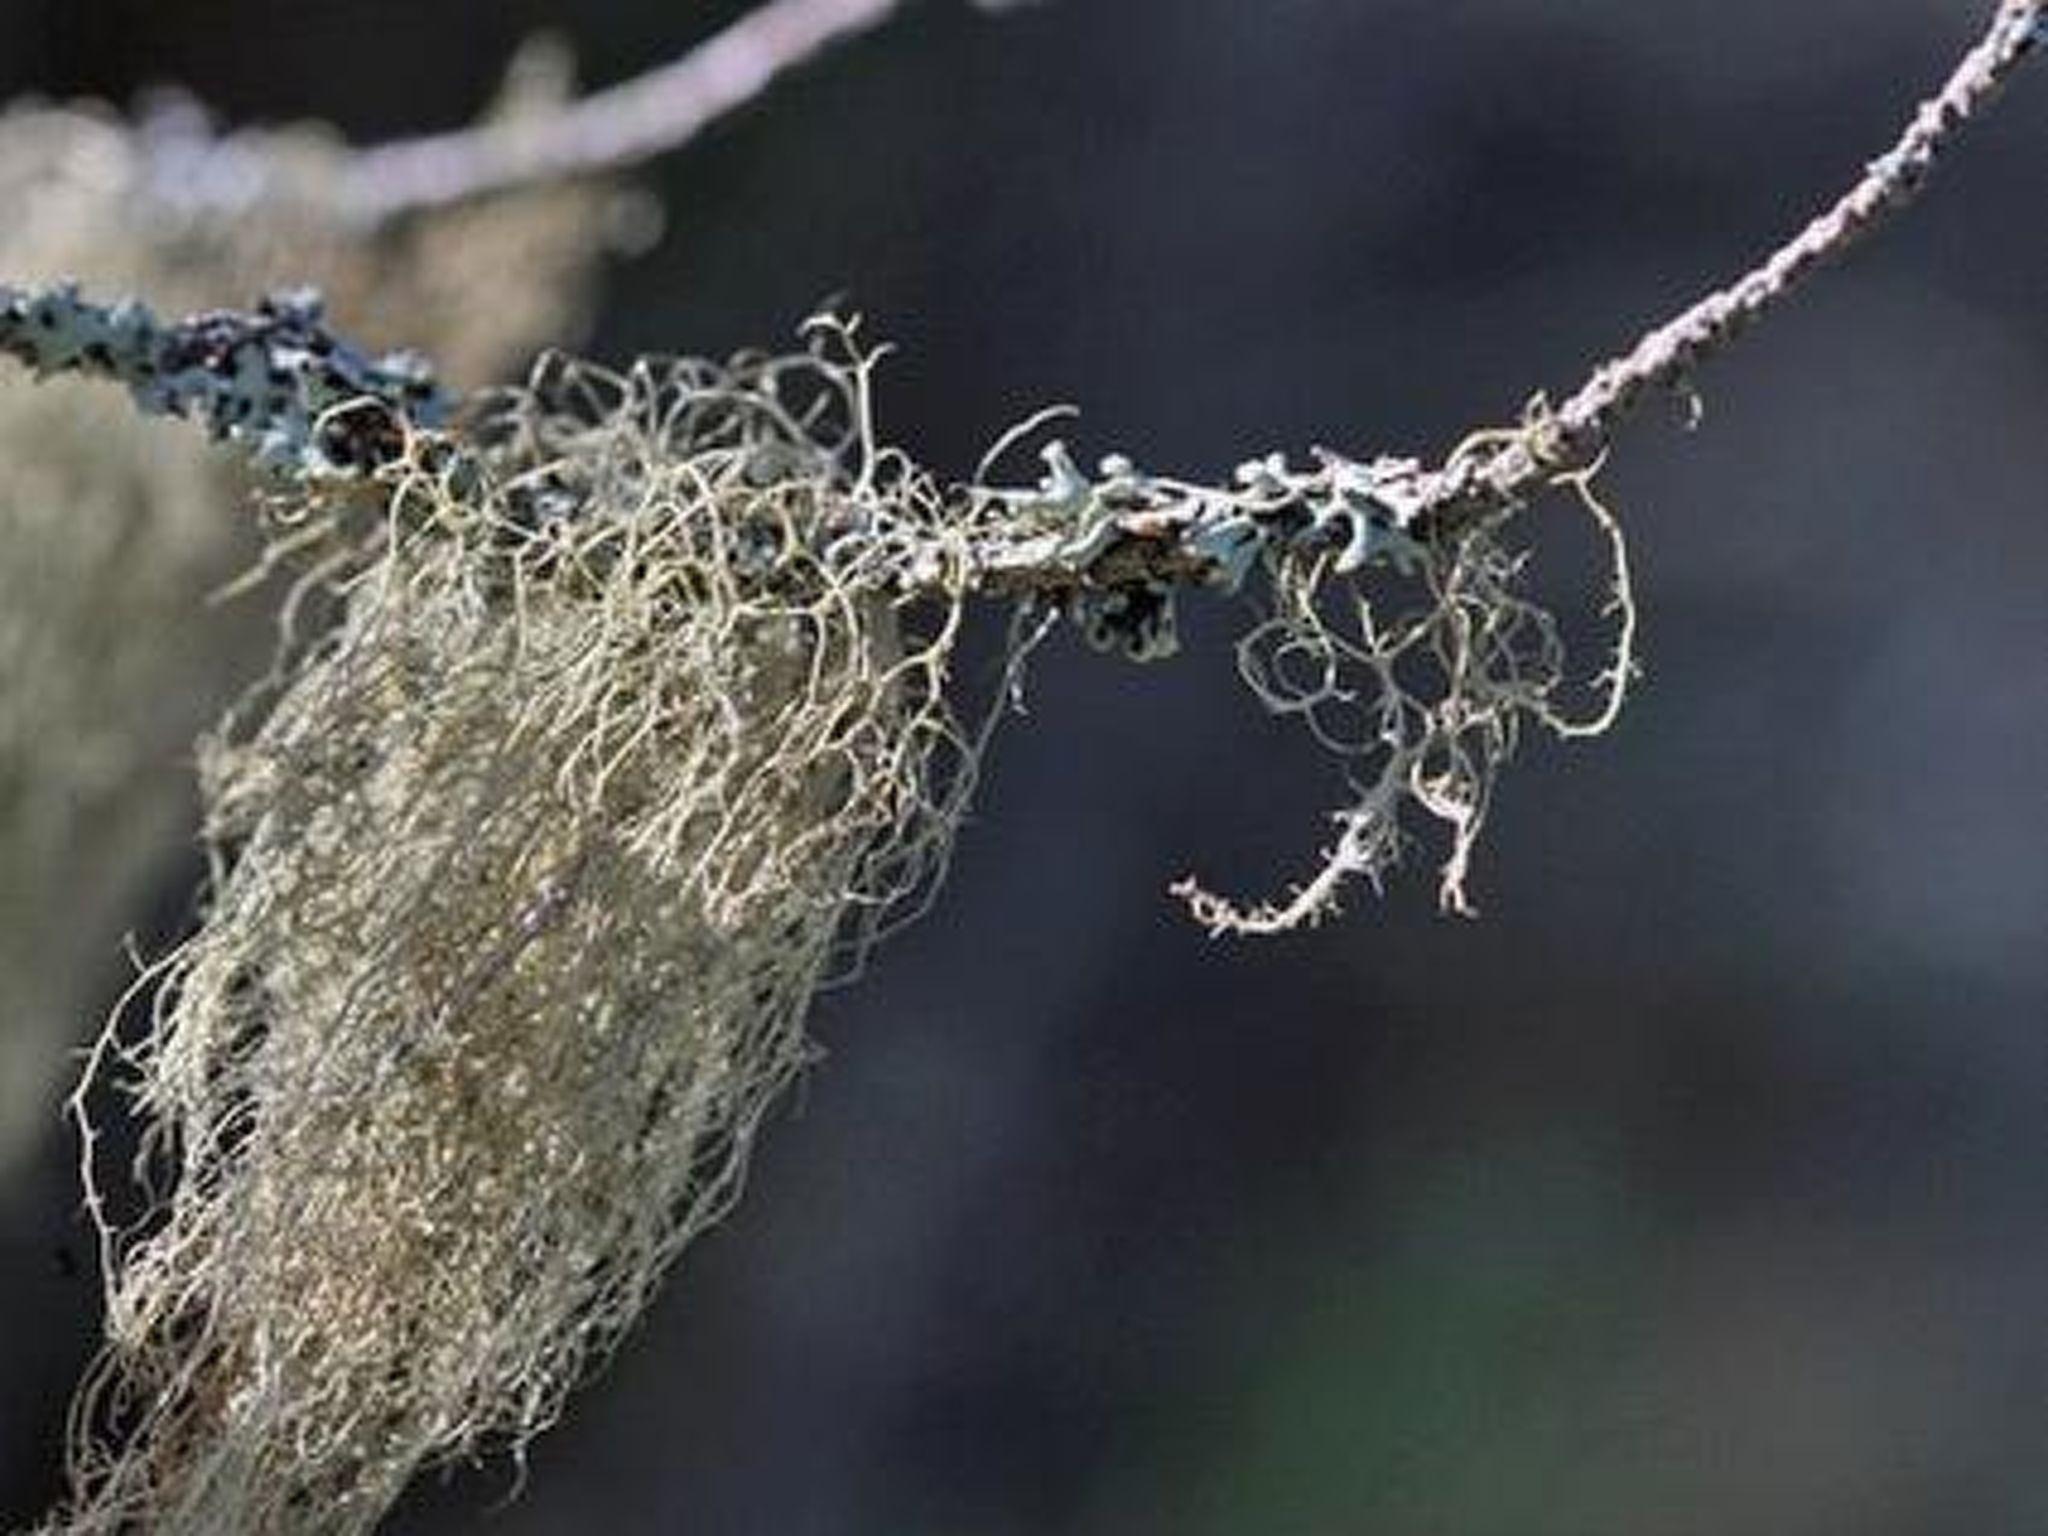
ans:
(1409, 650)
(1120, 545)
(277, 381)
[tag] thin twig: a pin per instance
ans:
(1572, 436)
(612, 129)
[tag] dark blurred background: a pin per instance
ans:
(1702, 1184)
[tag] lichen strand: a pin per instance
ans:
(635, 729)
(527, 875)
(1420, 676)
(1413, 652)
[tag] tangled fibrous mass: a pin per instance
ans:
(639, 723)
(627, 741)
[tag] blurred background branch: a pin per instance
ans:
(611, 130)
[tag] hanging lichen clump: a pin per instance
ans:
(632, 727)
(118, 528)
(631, 734)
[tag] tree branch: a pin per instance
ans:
(1147, 532)
(1121, 540)
(1112, 549)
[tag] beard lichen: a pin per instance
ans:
(628, 739)
(1420, 672)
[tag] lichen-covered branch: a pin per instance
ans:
(1170, 533)
(1123, 528)
(1116, 546)
(276, 380)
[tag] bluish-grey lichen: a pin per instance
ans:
(1118, 546)
(276, 379)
